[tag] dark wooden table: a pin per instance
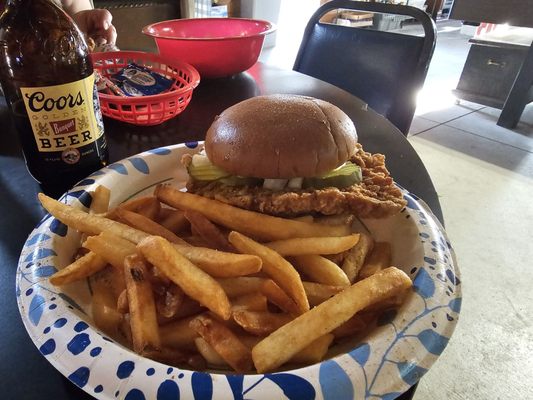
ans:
(24, 373)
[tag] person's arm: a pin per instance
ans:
(74, 6)
(95, 23)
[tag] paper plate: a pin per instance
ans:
(381, 365)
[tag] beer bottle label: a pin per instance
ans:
(63, 117)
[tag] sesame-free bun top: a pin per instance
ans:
(281, 136)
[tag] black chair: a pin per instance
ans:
(384, 69)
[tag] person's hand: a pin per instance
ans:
(96, 24)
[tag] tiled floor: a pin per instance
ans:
(484, 176)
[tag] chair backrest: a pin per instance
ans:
(129, 17)
(384, 69)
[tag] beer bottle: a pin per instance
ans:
(47, 77)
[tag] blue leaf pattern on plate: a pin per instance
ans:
(168, 390)
(44, 271)
(79, 343)
(293, 386)
(83, 196)
(390, 396)
(202, 386)
(411, 202)
(40, 254)
(455, 304)
(37, 306)
(236, 385)
(161, 151)
(135, 394)
(80, 377)
(334, 382)
(86, 182)
(432, 341)
(361, 353)
(140, 165)
(424, 284)
(41, 237)
(120, 168)
(125, 369)
(411, 373)
(59, 228)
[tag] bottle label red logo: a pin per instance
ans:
(63, 117)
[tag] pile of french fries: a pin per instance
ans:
(197, 283)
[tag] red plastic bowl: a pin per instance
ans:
(216, 47)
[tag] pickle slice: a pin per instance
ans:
(346, 175)
(201, 169)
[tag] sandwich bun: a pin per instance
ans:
(281, 136)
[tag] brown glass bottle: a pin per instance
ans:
(48, 81)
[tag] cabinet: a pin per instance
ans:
(498, 73)
(489, 72)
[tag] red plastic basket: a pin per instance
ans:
(146, 110)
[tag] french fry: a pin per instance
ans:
(178, 334)
(196, 241)
(208, 352)
(315, 351)
(122, 302)
(103, 306)
(192, 280)
(318, 293)
(220, 264)
(321, 270)
(148, 206)
(314, 245)
(172, 219)
(100, 200)
(311, 354)
(187, 308)
(83, 267)
(355, 258)
(281, 345)
(168, 300)
(260, 323)
(335, 220)
(257, 225)
(337, 258)
(224, 342)
(169, 356)
(95, 224)
(304, 218)
(251, 302)
(378, 259)
(99, 204)
(141, 305)
(111, 248)
(147, 225)
(235, 287)
(208, 231)
(275, 266)
(90, 224)
(278, 297)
